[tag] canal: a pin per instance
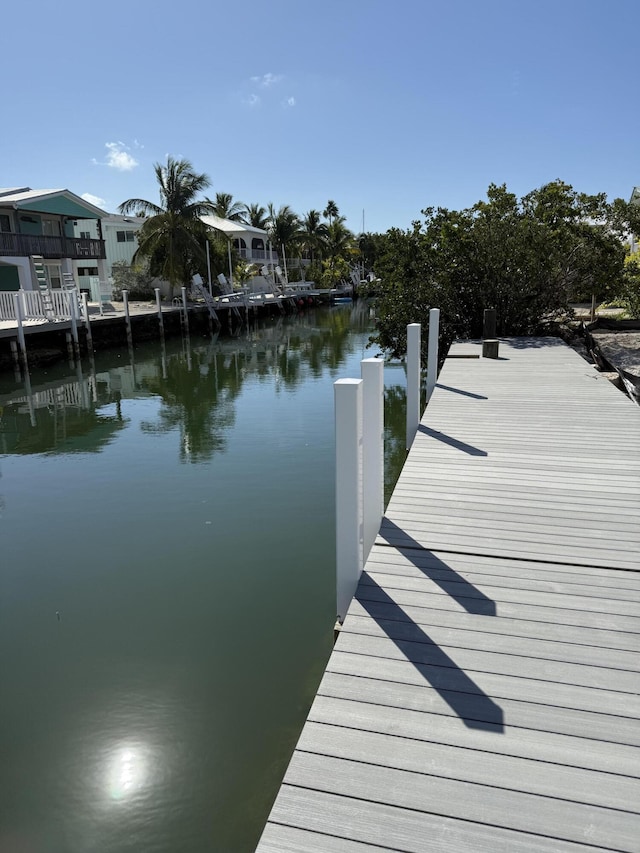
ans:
(167, 590)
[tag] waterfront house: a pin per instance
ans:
(251, 244)
(42, 224)
(121, 243)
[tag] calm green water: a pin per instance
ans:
(167, 592)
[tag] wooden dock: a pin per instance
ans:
(483, 695)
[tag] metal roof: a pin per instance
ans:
(229, 227)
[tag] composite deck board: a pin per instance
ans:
(484, 692)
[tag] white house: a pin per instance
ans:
(119, 234)
(251, 244)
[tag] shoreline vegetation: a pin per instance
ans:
(530, 258)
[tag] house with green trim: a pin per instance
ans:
(43, 224)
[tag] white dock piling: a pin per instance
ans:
(349, 534)
(372, 449)
(127, 316)
(413, 381)
(185, 314)
(432, 353)
(159, 307)
(17, 304)
(72, 308)
(85, 305)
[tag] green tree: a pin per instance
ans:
(313, 233)
(284, 229)
(331, 211)
(226, 208)
(173, 236)
(527, 259)
(256, 216)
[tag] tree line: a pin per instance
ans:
(530, 258)
(172, 241)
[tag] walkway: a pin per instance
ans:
(483, 694)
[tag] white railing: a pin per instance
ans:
(32, 307)
(7, 311)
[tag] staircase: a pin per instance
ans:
(44, 288)
(69, 286)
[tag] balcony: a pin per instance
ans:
(26, 245)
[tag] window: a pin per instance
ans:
(5, 223)
(50, 227)
(87, 271)
(85, 235)
(125, 236)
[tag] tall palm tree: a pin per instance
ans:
(226, 208)
(255, 215)
(331, 211)
(173, 236)
(339, 241)
(284, 228)
(313, 232)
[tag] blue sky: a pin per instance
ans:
(386, 106)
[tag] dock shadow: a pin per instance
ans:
(452, 442)
(466, 699)
(453, 584)
(460, 391)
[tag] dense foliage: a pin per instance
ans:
(527, 258)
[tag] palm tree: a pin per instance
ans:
(256, 216)
(226, 208)
(331, 211)
(284, 228)
(313, 233)
(173, 236)
(339, 242)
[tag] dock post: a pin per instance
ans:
(592, 315)
(185, 315)
(413, 381)
(72, 307)
(127, 316)
(372, 450)
(85, 305)
(349, 544)
(489, 323)
(159, 307)
(432, 355)
(70, 352)
(17, 304)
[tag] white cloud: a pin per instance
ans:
(290, 102)
(252, 100)
(118, 157)
(267, 79)
(94, 199)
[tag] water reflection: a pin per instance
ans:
(196, 385)
(196, 601)
(127, 771)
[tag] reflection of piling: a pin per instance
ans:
(127, 317)
(70, 353)
(16, 360)
(159, 307)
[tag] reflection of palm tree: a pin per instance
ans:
(226, 208)
(173, 236)
(200, 408)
